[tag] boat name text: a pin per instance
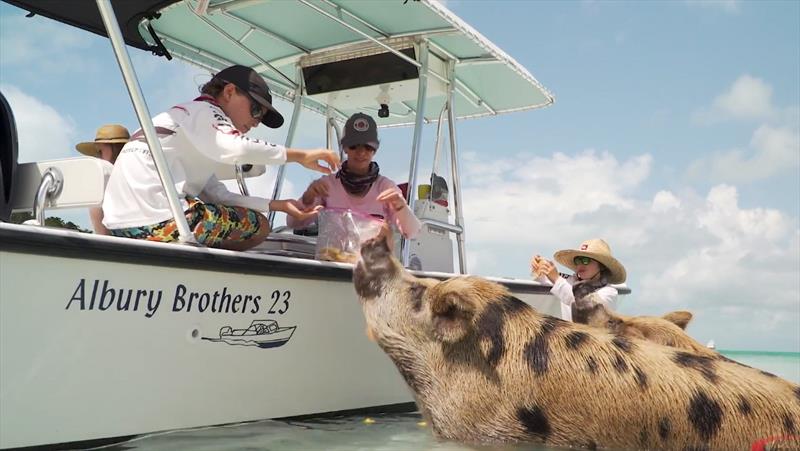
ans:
(102, 296)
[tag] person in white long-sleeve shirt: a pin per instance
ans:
(195, 137)
(595, 270)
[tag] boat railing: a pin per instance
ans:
(59, 184)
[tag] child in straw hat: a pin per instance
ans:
(108, 142)
(595, 269)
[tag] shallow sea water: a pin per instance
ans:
(389, 432)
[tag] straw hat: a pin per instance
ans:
(106, 134)
(595, 249)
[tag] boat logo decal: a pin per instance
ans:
(262, 333)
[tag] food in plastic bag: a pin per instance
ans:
(341, 232)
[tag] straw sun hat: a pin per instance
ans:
(595, 249)
(106, 134)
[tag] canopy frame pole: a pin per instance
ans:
(331, 130)
(402, 55)
(457, 204)
(438, 143)
(242, 47)
(415, 145)
(298, 103)
(185, 235)
(362, 21)
(265, 32)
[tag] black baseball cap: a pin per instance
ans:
(248, 80)
(360, 128)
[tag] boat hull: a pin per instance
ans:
(104, 337)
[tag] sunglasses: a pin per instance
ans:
(366, 147)
(256, 110)
(580, 260)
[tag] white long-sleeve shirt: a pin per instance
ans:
(562, 289)
(195, 137)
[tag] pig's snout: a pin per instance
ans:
(374, 269)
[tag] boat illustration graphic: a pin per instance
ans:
(263, 333)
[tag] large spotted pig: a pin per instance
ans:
(486, 367)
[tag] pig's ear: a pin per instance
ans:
(680, 318)
(452, 316)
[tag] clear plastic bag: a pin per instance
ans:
(341, 232)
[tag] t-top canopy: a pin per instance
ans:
(349, 55)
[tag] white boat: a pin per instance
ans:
(711, 345)
(103, 337)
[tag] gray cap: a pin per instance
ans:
(360, 128)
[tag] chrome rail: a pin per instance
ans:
(457, 204)
(298, 103)
(49, 189)
(417, 140)
(442, 225)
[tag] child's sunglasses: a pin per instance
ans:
(581, 260)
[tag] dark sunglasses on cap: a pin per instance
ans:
(581, 260)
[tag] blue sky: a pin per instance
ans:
(674, 136)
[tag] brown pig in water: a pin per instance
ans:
(667, 330)
(486, 367)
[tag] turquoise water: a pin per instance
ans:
(394, 432)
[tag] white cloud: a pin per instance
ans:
(748, 98)
(40, 45)
(728, 6)
(727, 264)
(772, 150)
(553, 191)
(43, 133)
(665, 201)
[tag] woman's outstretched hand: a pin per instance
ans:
(317, 188)
(311, 159)
(294, 209)
(392, 198)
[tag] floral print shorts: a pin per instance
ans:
(211, 223)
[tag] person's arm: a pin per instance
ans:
(317, 190)
(562, 289)
(399, 211)
(302, 222)
(216, 192)
(96, 216)
(294, 210)
(311, 159)
(213, 134)
(407, 222)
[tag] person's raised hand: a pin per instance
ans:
(311, 159)
(294, 209)
(548, 268)
(392, 198)
(317, 188)
(535, 262)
